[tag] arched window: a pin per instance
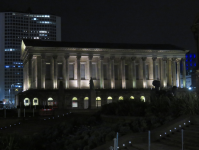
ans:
(26, 101)
(121, 98)
(74, 102)
(50, 101)
(98, 101)
(142, 98)
(86, 102)
(132, 97)
(35, 101)
(109, 100)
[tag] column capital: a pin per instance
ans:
(54, 56)
(133, 58)
(154, 58)
(174, 59)
(123, 58)
(164, 58)
(144, 58)
(90, 57)
(78, 57)
(112, 57)
(66, 56)
(101, 57)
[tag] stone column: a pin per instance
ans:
(65, 71)
(52, 71)
(144, 72)
(164, 72)
(78, 72)
(90, 57)
(112, 72)
(184, 72)
(101, 73)
(133, 71)
(55, 72)
(24, 76)
(154, 68)
(38, 72)
(174, 71)
(30, 71)
(43, 71)
(178, 73)
(169, 71)
(123, 72)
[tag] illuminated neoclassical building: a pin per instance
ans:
(119, 71)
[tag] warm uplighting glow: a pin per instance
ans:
(142, 98)
(121, 98)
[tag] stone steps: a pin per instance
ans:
(190, 138)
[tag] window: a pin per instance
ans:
(98, 102)
(126, 72)
(94, 71)
(147, 72)
(82, 71)
(48, 71)
(109, 100)
(74, 102)
(50, 101)
(60, 71)
(116, 70)
(105, 71)
(121, 98)
(137, 73)
(26, 101)
(142, 98)
(71, 71)
(86, 102)
(156, 72)
(35, 101)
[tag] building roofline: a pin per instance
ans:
(40, 43)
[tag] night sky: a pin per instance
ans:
(119, 21)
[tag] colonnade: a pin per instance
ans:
(169, 74)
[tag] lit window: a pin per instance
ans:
(98, 102)
(142, 98)
(50, 101)
(109, 100)
(35, 101)
(121, 98)
(26, 101)
(86, 102)
(74, 102)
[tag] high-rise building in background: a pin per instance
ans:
(14, 27)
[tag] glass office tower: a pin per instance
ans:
(13, 28)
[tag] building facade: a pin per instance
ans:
(15, 27)
(114, 68)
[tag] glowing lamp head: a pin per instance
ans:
(190, 88)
